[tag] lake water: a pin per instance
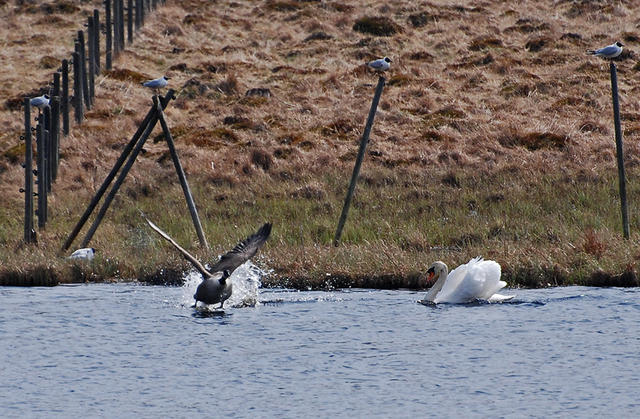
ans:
(124, 350)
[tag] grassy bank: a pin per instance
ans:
(543, 228)
(499, 144)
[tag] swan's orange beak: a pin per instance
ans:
(430, 275)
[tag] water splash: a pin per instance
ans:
(246, 282)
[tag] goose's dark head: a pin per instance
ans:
(225, 274)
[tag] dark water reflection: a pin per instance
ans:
(125, 350)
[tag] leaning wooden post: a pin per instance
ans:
(108, 34)
(114, 170)
(41, 174)
(77, 87)
(123, 174)
(64, 103)
(356, 169)
(92, 65)
(28, 173)
(55, 136)
(181, 175)
(621, 176)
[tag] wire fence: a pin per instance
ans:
(54, 108)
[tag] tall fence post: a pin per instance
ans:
(356, 169)
(56, 84)
(28, 174)
(121, 31)
(96, 40)
(77, 88)
(108, 34)
(138, 14)
(83, 69)
(619, 151)
(46, 112)
(130, 21)
(41, 174)
(64, 102)
(181, 176)
(54, 133)
(92, 65)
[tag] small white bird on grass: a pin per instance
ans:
(86, 253)
(158, 83)
(40, 101)
(610, 51)
(380, 65)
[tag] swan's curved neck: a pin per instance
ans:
(435, 289)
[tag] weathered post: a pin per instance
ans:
(181, 175)
(77, 88)
(46, 113)
(130, 21)
(123, 174)
(28, 173)
(121, 11)
(138, 14)
(41, 174)
(54, 155)
(64, 102)
(619, 151)
(56, 84)
(96, 40)
(114, 170)
(92, 65)
(356, 169)
(83, 69)
(108, 40)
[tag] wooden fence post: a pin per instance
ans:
(123, 174)
(130, 21)
(42, 177)
(181, 176)
(138, 14)
(108, 40)
(619, 151)
(47, 147)
(92, 65)
(56, 84)
(64, 103)
(96, 40)
(28, 174)
(121, 20)
(54, 155)
(77, 87)
(83, 70)
(114, 170)
(356, 169)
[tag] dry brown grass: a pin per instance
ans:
(474, 88)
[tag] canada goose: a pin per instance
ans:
(215, 288)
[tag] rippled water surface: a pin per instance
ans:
(131, 350)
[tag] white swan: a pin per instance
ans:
(476, 280)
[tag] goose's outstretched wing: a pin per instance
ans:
(243, 251)
(199, 266)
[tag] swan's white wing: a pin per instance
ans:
(449, 291)
(478, 279)
(491, 272)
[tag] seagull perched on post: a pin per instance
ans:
(216, 286)
(158, 83)
(40, 101)
(610, 51)
(380, 65)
